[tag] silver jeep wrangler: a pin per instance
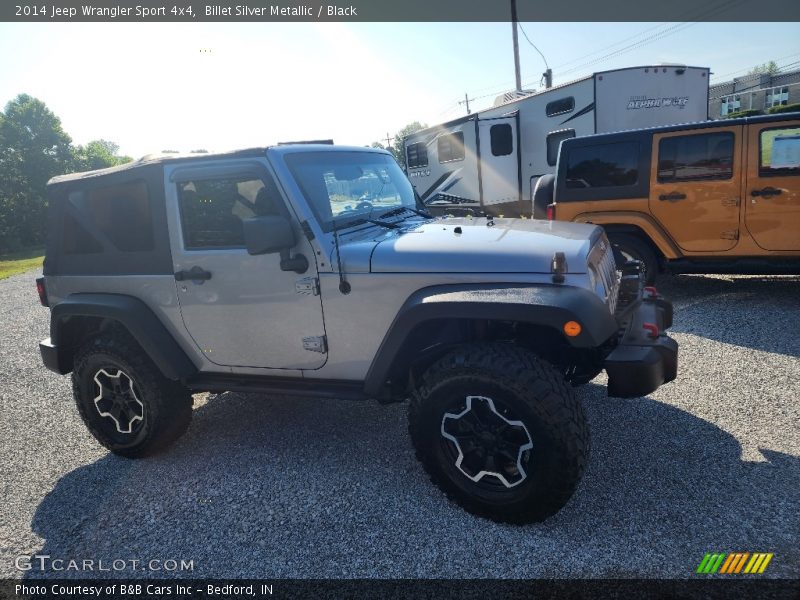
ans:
(312, 269)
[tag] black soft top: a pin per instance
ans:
(155, 159)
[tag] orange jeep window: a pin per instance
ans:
(696, 157)
(780, 152)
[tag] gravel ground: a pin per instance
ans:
(270, 487)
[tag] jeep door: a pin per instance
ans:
(240, 310)
(695, 186)
(772, 193)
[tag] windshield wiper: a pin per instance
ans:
(402, 209)
(363, 220)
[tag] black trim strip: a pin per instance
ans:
(587, 109)
(436, 183)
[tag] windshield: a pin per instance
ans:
(348, 186)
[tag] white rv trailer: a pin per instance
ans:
(489, 162)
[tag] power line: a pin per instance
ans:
(724, 6)
(749, 68)
(578, 59)
(534, 45)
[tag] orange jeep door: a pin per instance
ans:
(772, 193)
(695, 184)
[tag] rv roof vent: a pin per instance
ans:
(512, 95)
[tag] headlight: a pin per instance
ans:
(592, 277)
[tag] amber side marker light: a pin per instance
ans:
(572, 328)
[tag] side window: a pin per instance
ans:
(560, 106)
(553, 141)
(603, 165)
(450, 147)
(779, 152)
(121, 213)
(502, 139)
(75, 239)
(212, 210)
(696, 157)
(417, 155)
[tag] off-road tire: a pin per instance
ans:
(167, 405)
(637, 249)
(537, 395)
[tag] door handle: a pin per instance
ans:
(193, 274)
(672, 197)
(766, 192)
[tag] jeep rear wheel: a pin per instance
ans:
(124, 400)
(633, 247)
(500, 432)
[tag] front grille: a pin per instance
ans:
(602, 258)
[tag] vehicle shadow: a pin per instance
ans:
(753, 312)
(263, 487)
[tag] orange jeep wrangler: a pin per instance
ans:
(711, 197)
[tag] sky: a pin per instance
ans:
(219, 86)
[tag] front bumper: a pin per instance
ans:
(645, 357)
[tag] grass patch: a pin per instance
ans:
(19, 262)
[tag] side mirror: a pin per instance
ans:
(267, 234)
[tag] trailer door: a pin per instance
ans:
(499, 174)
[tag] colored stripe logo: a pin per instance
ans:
(734, 563)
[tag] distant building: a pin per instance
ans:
(753, 92)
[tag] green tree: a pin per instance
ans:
(97, 154)
(397, 144)
(33, 148)
(770, 68)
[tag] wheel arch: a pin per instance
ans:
(80, 316)
(638, 224)
(435, 319)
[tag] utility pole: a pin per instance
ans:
(466, 101)
(388, 139)
(516, 43)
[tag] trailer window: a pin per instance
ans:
(554, 139)
(417, 155)
(502, 140)
(450, 147)
(603, 165)
(560, 106)
(695, 157)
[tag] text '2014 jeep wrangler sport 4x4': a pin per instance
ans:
(310, 269)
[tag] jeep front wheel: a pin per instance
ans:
(124, 400)
(500, 432)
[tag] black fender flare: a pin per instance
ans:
(538, 304)
(137, 318)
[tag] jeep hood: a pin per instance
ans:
(462, 245)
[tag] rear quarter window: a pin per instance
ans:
(119, 213)
(607, 167)
(603, 165)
